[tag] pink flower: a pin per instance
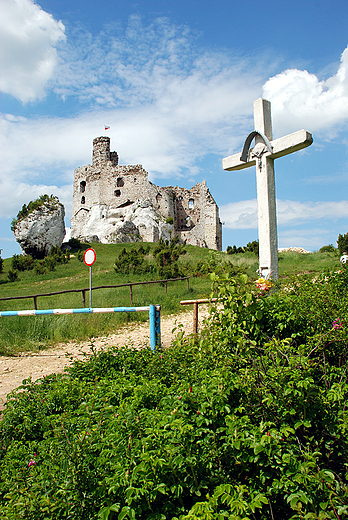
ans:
(337, 324)
(31, 463)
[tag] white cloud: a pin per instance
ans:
(28, 37)
(243, 214)
(22, 193)
(311, 239)
(300, 100)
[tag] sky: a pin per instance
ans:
(175, 82)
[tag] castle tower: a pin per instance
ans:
(101, 151)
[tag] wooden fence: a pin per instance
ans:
(83, 291)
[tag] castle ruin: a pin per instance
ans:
(113, 203)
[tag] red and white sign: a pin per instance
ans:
(89, 257)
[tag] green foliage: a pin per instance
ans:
(22, 262)
(246, 421)
(327, 249)
(134, 261)
(167, 254)
(342, 243)
(75, 245)
(252, 247)
(13, 275)
(32, 206)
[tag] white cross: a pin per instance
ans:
(263, 155)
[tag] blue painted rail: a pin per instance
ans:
(154, 316)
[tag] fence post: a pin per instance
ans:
(84, 299)
(131, 293)
(195, 317)
(155, 326)
(35, 302)
(188, 285)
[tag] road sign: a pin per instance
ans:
(89, 257)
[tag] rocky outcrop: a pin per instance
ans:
(42, 229)
(136, 222)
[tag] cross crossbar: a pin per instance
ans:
(280, 147)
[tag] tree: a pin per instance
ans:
(342, 243)
(167, 254)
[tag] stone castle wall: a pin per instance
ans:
(115, 188)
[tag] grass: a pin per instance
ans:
(33, 333)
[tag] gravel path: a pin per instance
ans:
(39, 364)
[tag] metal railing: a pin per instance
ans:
(154, 317)
(83, 291)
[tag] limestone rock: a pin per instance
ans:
(136, 222)
(42, 229)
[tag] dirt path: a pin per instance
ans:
(39, 364)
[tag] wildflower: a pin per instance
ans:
(190, 390)
(337, 324)
(32, 462)
(263, 284)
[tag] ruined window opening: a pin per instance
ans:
(83, 200)
(82, 186)
(158, 197)
(135, 179)
(180, 198)
(191, 201)
(117, 193)
(86, 169)
(119, 182)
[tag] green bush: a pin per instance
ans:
(167, 254)
(327, 249)
(13, 275)
(246, 421)
(252, 247)
(22, 262)
(342, 243)
(134, 261)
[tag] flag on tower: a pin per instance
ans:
(107, 128)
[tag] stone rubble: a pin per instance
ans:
(293, 250)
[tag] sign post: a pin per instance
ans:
(89, 258)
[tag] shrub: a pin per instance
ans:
(252, 247)
(134, 261)
(74, 244)
(167, 254)
(327, 249)
(13, 275)
(22, 262)
(246, 421)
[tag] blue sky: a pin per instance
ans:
(176, 81)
